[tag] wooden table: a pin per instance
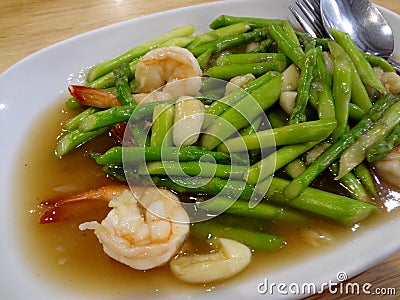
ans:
(28, 26)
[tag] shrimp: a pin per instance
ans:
(388, 168)
(55, 206)
(169, 66)
(145, 227)
(93, 97)
(391, 80)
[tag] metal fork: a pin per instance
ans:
(309, 17)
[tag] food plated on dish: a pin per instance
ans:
(288, 227)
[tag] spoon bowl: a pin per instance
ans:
(364, 23)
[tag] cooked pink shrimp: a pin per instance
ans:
(174, 67)
(93, 97)
(144, 228)
(388, 168)
(56, 206)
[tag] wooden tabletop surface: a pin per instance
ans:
(28, 26)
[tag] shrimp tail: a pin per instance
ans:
(51, 215)
(93, 97)
(55, 208)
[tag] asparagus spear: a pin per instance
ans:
(288, 46)
(228, 71)
(247, 58)
(325, 107)
(291, 33)
(356, 153)
(300, 183)
(251, 238)
(311, 131)
(163, 120)
(234, 189)
(226, 42)
(253, 127)
(193, 168)
(74, 139)
(106, 118)
(383, 146)
(263, 211)
(295, 168)
(74, 122)
(118, 155)
(363, 173)
(242, 113)
(339, 208)
(229, 30)
(181, 41)
(265, 167)
(336, 207)
(355, 112)
(108, 80)
(364, 69)
(226, 20)
(263, 47)
(277, 117)
(204, 58)
(115, 172)
(218, 107)
(298, 114)
(341, 88)
(123, 90)
(351, 183)
(359, 94)
(305, 38)
(377, 61)
(119, 114)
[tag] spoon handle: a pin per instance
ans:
(395, 64)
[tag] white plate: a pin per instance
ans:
(30, 86)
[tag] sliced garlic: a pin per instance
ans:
(231, 258)
(290, 78)
(238, 82)
(188, 120)
(287, 100)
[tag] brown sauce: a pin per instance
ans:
(62, 255)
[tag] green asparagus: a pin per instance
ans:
(300, 183)
(118, 155)
(311, 131)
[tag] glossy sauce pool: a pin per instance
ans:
(73, 260)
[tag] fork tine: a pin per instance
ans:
(303, 23)
(315, 3)
(314, 7)
(313, 17)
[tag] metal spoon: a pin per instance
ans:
(364, 23)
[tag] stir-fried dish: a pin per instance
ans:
(220, 133)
